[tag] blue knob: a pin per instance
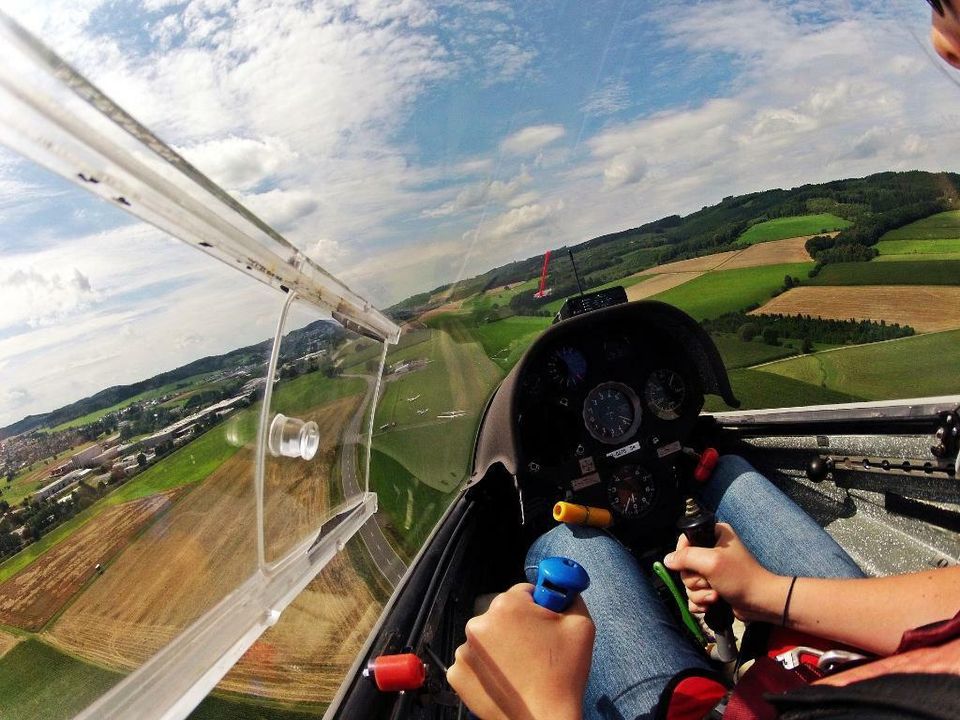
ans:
(559, 581)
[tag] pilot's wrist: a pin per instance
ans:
(768, 598)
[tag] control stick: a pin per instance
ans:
(559, 581)
(699, 526)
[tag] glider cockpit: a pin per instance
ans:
(601, 412)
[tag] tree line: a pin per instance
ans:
(805, 328)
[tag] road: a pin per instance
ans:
(384, 556)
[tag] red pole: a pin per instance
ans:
(543, 275)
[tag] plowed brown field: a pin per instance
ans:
(205, 547)
(659, 283)
(924, 308)
(305, 656)
(33, 596)
(7, 641)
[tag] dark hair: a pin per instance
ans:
(938, 6)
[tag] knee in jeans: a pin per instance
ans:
(588, 546)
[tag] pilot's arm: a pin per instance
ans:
(524, 662)
(868, 613)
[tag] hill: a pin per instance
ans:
(863, 209)
(295, 343)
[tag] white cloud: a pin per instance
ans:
(479, 194)
(522, 220)
(608, 99)
(36, 298)
(282, 207)
(625, 168)
(531, 139)
(238, 163)
(507, 61)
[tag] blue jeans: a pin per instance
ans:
(638, 645)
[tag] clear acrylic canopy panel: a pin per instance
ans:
(315, 465)
(140, 514)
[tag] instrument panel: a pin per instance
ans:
(601, 417)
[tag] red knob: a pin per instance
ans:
(708, 461)
(393, 673)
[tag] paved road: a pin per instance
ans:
(384, 556)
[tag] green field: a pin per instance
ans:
(38, 682)
(483, 302)
(911, 272)
(310, 391)
(413, 507)
(920, 247)
(923, 365)
(506, 340)
(945, 225)
(789, 227)
(351, 359)
(739, 354)
(459, 376)
(926, 257)
(716, 293)
(756, 389)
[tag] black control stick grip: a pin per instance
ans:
(699, 526)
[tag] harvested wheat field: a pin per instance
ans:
(178, 569)
(697, 264)
(7, 641)
(791, 250)
(30, 598)
(924, 308)
(776, 252)
(304, 657)
(658, 283)
(198, 552)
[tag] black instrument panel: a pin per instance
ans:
(601, 417)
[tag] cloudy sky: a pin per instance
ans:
(406, 143)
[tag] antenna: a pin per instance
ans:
(575, 273)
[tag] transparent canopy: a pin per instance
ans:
(263, 264)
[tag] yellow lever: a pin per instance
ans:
(572, 514)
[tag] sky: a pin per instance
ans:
(404, 144)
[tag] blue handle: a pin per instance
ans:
(559, 581)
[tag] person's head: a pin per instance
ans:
(945, 33)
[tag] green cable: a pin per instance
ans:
(692, 625)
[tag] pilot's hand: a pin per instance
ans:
(730, 571)
(524, 662)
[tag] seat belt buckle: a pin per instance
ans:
(828, 661)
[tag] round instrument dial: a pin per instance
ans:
(611, 412)
(664, 393)
(631, 491)
(567, 367)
